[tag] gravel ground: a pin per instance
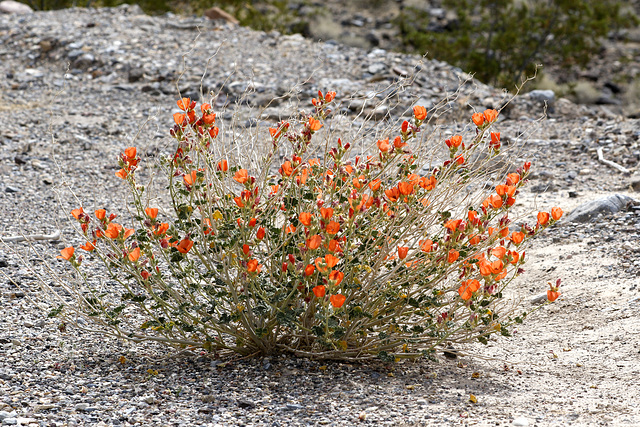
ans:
(78, 85)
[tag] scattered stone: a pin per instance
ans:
(246, 404)
(635, 182)
(9, 189)
(590, 211)
(547, 96)
(4, 415)
(521, 421)
(10, 6)
(539, 299)
(82, 407)
(217, 13)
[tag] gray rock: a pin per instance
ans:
(84, 61)
(4, 415)
(547, 96)
(10, 6)
(377, 68)
(246, 404)
(635, 182)
(294, 406)
(589, 211)
(10, 421)
(82, 406)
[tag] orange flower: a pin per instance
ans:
(419, 112)
(426, 245)
(238, 201)
(309, 269)
(543, 218)
(490, 115)
(185, 245)
(497, 266)
(553, 295)
(337, 276)
(305, 218)
(314, 241)
(66, 253)
(495, 139)
(467, 288)
(134, 255)
(319, 291)
(392, 194)
(453, 255)
(375, 184)
(428, 183)
(513, 179)
(89, 246)
(128, 232)
(454, 142)
(113, 230)
(291, 229)
(453, 224)
(191, 178)
(184, 104)
(241, 176)
(397, 142)
(252, 266)
(474, 239)
(223, 166)
(213, 132)
(383, 145)
(121, 174)
(260, 234)
(314, 124)
(515, 257)
(151, 212)
(326, 213)
(509, 190)
(478, 119)
(161, 229)
(208, 118)
(286, 168)
(333, 227)
(405, 188)
(331, 260)
(499, 252)
(77, 212)
(246, 249)
(337, 300)
(494, 200)
(402, 252)
(274, 189)
(130, 152)
(485, 267)
(180, 119)
(100, 214)
(556, 213)
(517, 237)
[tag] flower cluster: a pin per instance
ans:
(344, 256)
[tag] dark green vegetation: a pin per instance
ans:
(501, 41)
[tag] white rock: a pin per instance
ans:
(521, 421)
(10, 6)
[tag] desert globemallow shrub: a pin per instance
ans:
(341, 256)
